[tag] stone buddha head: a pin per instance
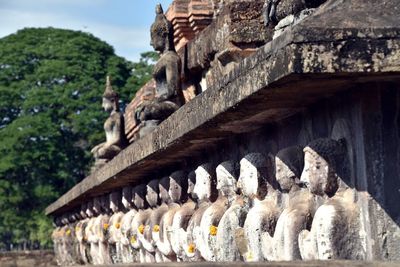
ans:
(97, 205)
(323, 160)
(64, 219)
(83, 210)
(127, 197)
(191, 184)
(164, 185)
(105, 203)
(139, 196)
(289, 163)
(89, 209)
(152, 190)
(162, 34)
(178, 186)
(115, 201)
(205, 187)
(72, 217)
(227, 177)
(110, 98)
(58, 221)
(253, 175)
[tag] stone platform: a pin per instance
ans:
(268, 264)
(300, 67)
(335, 77)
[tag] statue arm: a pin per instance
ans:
(115, 136)
(173, 80)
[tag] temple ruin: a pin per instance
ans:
(270, 132)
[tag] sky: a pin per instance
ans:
(124, 24)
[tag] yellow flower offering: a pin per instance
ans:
(133, 240)
(117, 225)
(156, 228)
(191, 248)
(249, 256)
(213, 230)
(105, 226)
(77, 229)
(141, 229)
(68, 232)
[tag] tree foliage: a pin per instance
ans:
(51, 82)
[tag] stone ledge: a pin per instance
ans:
(301, 66)
(271, 264)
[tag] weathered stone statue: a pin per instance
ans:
(114, 233)
(225, 247)
(114, 128)
(152, 230)
(75, 219)
(259, 188)
(79, 231)
(206, 192)
(57, 242)
(213, 214)
(144, 222)
(335, 230)
(182, 217)
(101, 226)
(138, 222)
(285, 13)
(67, 241)
(166, 73)
(90, 233)
(177, 193)
(127, 200)
(299, 208)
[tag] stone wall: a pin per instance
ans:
(291, 151)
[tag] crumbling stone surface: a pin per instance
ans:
(304, 70)
(267, 80)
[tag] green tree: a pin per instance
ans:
(51, 82)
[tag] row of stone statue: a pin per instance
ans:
(293, 205)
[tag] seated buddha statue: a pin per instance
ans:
(206, 193)
(114, 128)
(182, 217)
(166, 73)
(259, 188)
(336, 231)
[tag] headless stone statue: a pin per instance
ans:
(90, 233)
(138, 222)
(177, 194)
(335, 230)
(225, 248)
(113, 127)
(126, 221)
(206, 192)
(182, 217)
(166, 73)
(57, 240)
(285, 13)
(259, 189)
(299, 207)
(114, 233)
